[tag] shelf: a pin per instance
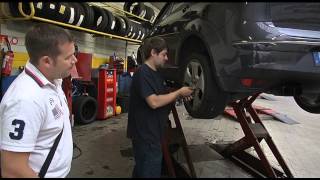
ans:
(33, 17)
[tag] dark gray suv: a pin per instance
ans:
(232, 50)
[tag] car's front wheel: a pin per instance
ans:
(208, 100)
(309, 102)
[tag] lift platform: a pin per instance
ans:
(255, 132)
(175, 136)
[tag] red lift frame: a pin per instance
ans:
(255, 132)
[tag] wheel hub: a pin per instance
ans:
(194, 77)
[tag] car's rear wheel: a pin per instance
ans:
(309, 102)
(209, 100)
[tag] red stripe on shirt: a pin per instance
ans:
(34, 77)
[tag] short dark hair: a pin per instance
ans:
(156, 43)
(44, 40)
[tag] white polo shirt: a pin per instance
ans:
(33, 112)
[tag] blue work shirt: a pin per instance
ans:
(145, 123)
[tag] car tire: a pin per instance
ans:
(89, 16)
(111, 22)
(76, 8)
(139, 10)
(128, 25)
(100, 19)
(38, 8)
(127, 6)
(134, 34)
(309, 104)
(150, 15)
(120, 27)
(14, 9)
(63, 12)
(50, 10)
(208, 100)
(80, 14)
(130, 28)
(85, 109)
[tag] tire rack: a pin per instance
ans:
(31, 16)
(119, 11)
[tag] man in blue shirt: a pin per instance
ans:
(149, 107)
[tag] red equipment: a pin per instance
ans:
(107, 93)
(84, 66)
(7, 58)
(7, 63)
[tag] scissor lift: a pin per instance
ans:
(174, 169)
(255, 132)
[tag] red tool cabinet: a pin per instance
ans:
(107, 93)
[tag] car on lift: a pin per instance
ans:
(230, 51)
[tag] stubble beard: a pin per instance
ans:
(160, 65)
(64, 74)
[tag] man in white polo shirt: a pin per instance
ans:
(34, 109)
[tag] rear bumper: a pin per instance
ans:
(281, 66)
(270, 69)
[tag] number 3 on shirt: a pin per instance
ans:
(18, 131)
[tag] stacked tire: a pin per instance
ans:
(139, 9)
(143, 11)
(90, 17)
(14, 11)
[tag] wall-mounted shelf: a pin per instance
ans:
(32, 16)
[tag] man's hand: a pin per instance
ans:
(156, 101)
(185, 91)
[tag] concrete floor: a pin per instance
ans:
(106, 152)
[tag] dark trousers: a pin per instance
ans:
(148, 159)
